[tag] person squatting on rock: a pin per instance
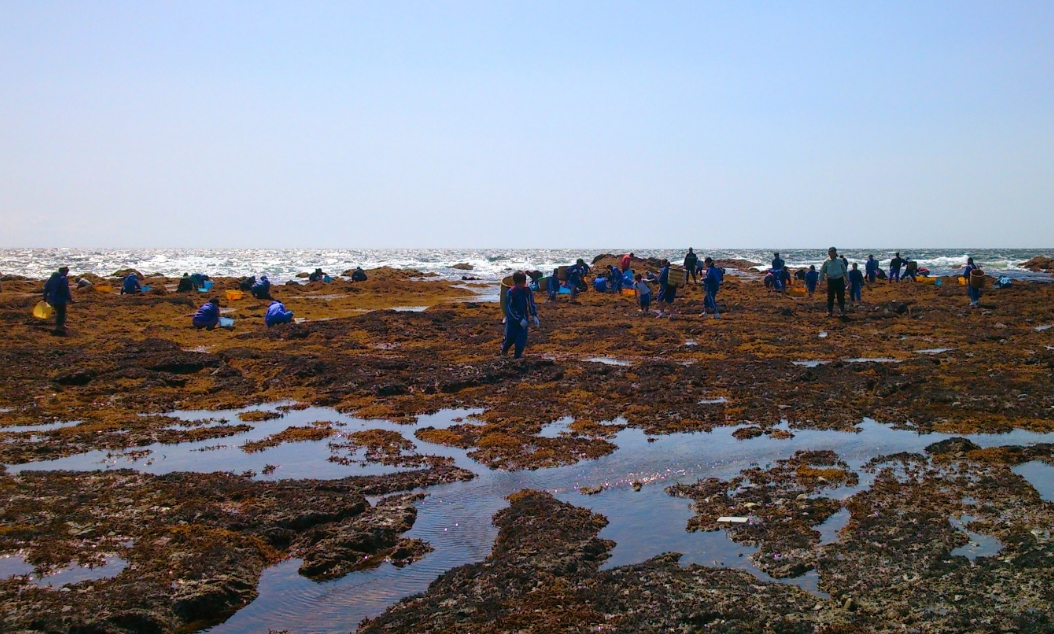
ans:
(208, 315)
(277, 314)
(711, 284)
(262, 288)
(519, 305)
(834, 271)
(131, 286)
(57, 293)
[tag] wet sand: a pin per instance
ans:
(913, 357)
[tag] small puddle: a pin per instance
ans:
(873, 360)
(409, 309)
(1040, 475)
(713, 401)
(979, 545)
(608, 361)
(15, 565)
(1044, 327)
(832, 526)
(44, 427)
(934, 350)
(810, 363)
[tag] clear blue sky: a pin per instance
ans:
(530, 124)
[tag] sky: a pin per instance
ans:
(526, 124)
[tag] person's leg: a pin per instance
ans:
(60, 318)
(839, 290)
(830, 297)
(510, 336)
(521, 342)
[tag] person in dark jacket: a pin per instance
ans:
(871, 269)
(247, 283)
(131, 285)
(316, 276)
(277, 314)
(552, 287)
(57, 293)
(576, 277)
(358, 275)
(186, 285)
(691, 263)
(208, 315)
(894, 268)
(712, 283)
(668, 292)
(811, 278)
(519, 305)
(973, 293)
(262, 288)
(778, 278)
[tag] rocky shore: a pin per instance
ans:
(914, 356)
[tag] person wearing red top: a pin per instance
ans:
(625, 261)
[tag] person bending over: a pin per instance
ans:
(277, 314)
(208, 315)
(131, 286)
(262, 288)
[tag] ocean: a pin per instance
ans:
(487, 264)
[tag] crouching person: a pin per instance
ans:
(208, 316)
(519, 305)
(277, 314)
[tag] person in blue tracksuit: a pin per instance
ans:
(856, 282)
(712, 283)
(553, 285)
(615, 280)
(576, 276)
(973, 293)
(812, 277)
(130, 286)
(277, 314)
(777, 273)
(871, 269)
(519, 306)
(208, 315)
(262, 288)
(894, 268)
(600, 284)
(57, 293)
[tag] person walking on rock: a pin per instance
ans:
(712, 283)
(519, 305)
(834, 271)
(691, 263)
(57, 293)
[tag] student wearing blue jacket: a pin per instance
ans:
(57, 293)
(519, 305)
(812, 277)
(973, 293)
(131, 285)
(712, 283)
(871, 269)
(208, 315)
(277, 314)
(856, 282)
(262, 288)
(552, 287)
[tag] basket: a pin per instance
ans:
(234, 295)
(543, 284)
(796, 291)
(506, 284)
(977, 278)
(43, 310)
(676, 277)
(561, 273)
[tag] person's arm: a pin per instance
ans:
(823, 271)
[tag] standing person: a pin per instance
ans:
(131, 286)
(856, 282)
(871, 269)
(911, 268)
(833, 270)
(777, 273)
(973, 293)
(519, 305)
(811, 278)
(691, 263)
(712, 284)
(643, 294)
(552, 286)
(626, 261)
(669, 291)
(615, 280)
(57, 293)
(894, 268)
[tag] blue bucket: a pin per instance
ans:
(145, 288)
(226, 322)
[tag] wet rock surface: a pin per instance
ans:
(195, 544)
